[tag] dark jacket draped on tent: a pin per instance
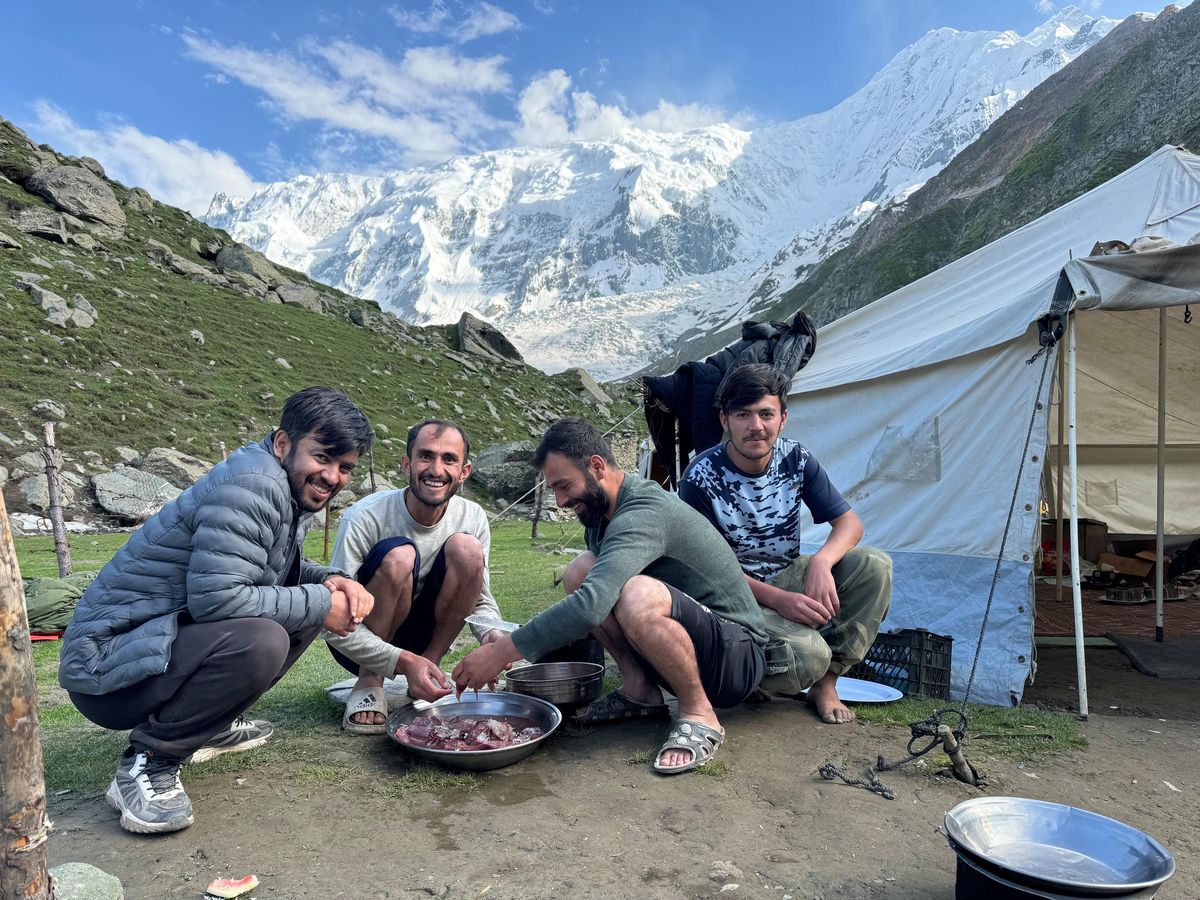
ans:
(686, 399)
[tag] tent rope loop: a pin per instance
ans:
(933, 727)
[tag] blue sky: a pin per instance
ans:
(189, 98)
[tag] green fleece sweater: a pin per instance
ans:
(652, 532)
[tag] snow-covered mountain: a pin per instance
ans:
(601, 253)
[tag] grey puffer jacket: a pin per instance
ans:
(220, 550)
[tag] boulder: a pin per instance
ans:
(34, 493)
(586, 386)
(174, 467)
(240, 258)
(381, 484)
(79, 881)
(139, 201)
(41, 222)
(83, 241)
(505, 470)
(81, 304)
(92, 165)
(76, 190)
(343, 498)
(483, 339)
(55, 307)
(300, 295)
(248, 284)
(49, 409)
(28, 463)
(3, 476)
(8, 242)
(130, 494)
(126, 454)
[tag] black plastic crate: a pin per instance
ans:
(913, 661)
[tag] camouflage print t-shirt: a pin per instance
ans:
(759, 515)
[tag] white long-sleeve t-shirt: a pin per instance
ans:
(384, 515)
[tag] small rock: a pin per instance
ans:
(79, 881)
(49, 409)
(432, 404)
(282, 363)
(724, 870)
(197, 335)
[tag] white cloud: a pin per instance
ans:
(1044, 6)
(181, 173)
(427, 104)
(486, 19)
(549, 112)
(480, 20)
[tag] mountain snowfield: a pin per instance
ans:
(600, 254)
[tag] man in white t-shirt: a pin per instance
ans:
(422, 552)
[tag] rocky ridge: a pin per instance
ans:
(154, 342)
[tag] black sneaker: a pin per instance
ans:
(242, 734)
(148, 795)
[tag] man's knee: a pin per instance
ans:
(397, 565)
(464, 554)
(642, 601)
(262, 645)
(867, 578)
(806, 656)
(577, 571)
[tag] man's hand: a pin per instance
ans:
(481, 667)
(801, 608)
(491, 637)
(819, 584)
(340, 619)
(426, 681)
(361, 601)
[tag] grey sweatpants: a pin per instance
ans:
(797, 655)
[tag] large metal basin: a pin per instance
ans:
(1057, 848)
(545, 715)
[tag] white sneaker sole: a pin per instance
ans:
(204, 754)
(130, 822)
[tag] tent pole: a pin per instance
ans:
(1162, 452)
(1058, 493)
(1076, 590)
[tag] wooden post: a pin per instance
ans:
(53, 460)
(23, 872)
(539, 497)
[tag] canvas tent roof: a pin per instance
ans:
(930, 409)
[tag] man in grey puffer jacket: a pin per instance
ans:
(210, 603)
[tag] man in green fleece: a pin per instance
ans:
(659, 588)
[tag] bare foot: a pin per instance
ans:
(823, 697)
(370, 717)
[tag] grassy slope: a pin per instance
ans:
(136, 378)
(79, 756)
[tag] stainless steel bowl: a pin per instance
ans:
(568, 685)
(545, 715)
(1057, 848)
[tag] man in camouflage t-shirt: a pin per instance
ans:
(822, 611)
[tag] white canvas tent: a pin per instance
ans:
(920, 405)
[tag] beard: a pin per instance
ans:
(297, 483)
(592, 506)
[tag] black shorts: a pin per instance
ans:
(416, 630)
(731, 662)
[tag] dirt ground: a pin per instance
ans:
(580, 820)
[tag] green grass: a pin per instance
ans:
(310, 748)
